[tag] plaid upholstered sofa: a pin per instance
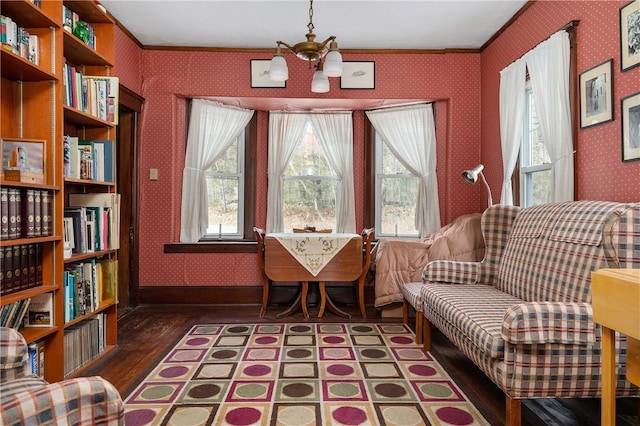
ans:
(523, 314)
(29, 400)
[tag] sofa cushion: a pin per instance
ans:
(475, 310)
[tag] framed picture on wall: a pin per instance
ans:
(358, 75)
(260, 74)
(630, 35)
(596, 95)
(630, 112)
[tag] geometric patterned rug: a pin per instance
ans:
(299, 374)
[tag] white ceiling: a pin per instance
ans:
(357, 24)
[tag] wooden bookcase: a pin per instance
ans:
(32, 100)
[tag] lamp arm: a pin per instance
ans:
(488, 189)
(286, 45)
(324, 43)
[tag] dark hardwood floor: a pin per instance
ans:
(146, 333)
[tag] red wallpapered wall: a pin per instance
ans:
(465, 87)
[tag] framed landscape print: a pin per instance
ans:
(260, 74)
(358, 75)
(630, 112)
(630, 35)
(596, 95)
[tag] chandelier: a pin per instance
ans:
(310, 51)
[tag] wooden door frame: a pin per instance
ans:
(130, 109)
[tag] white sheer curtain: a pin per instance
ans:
(512, 103)
(409, 132)
(285, 133)
(212, 128)
(548, 66)
(334, 133)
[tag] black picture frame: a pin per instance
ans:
(630, 35)
(596, 95)
(630, 118)
(260, 75)
(358, 75)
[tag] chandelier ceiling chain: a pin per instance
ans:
(310, 51)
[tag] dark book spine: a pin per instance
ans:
(37, 213)
(32, 265)
(18, 213)
(3, 283)
(12, 209)
(28, 212)
(17, 279)
(38, 264)
(46, 213)
(4, 213)
(24, 266)
(8, 269)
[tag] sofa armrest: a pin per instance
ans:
(549, 322)
(450, 271)
(14, 355)
(81, 401)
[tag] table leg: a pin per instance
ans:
(296, 303)
(323, 298)
(325, 301)
(303, 302)
(608, 377)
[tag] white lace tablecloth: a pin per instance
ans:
(313, 250)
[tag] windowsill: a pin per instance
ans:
(213, 246)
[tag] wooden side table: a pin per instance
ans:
(616, 307)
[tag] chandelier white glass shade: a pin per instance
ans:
(320, 82)
(310, 51)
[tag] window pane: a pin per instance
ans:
(223, 196)
(390, 164)
(538, 187)
(536, 153)
(309, 160)
(309, 202)
(229, 161)
(398, 205)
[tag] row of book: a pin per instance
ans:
(12, 315)
(91, 222)
(89, 159)
(17, 39)
(20, 267)
(36, 358)
(92, 94)
(83, 342)
(70, 20)
(25, 213)
(87, 285)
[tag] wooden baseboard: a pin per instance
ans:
(252, 295)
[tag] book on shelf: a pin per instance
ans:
(12, 314)
(83, 342)
(4, 213)
(36, 358)
(40, 312)
(20, 267)
(102, 93)
(110, 202)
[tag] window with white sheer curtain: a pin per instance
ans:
(310, 172)
(213, 128)
(538, 111)
(409, 135)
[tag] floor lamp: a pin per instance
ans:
(471, 176)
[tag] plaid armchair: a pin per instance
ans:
(523, 315)
(29, 400)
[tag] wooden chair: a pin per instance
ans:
(367, 246)
(259, 232)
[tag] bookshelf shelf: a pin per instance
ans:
(16, 68)
(80, 118)
(32, 101)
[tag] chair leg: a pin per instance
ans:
(513, 412)
(363, 310)
(265, 297)
(419, 326)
